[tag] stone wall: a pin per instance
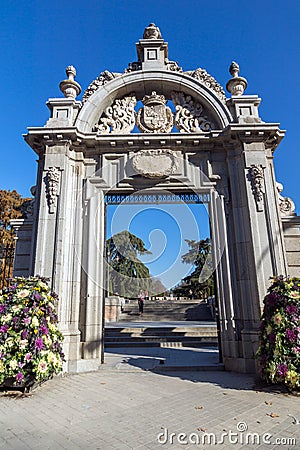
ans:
(291, 230)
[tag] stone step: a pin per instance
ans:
(166, 311)
(199, 343)
(164, 336)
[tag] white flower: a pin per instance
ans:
(7, 318)
(52, 358)
(13, 364)
(35, 322)
(23, 294)
(42, 366)
(9, 342)
(23, 344)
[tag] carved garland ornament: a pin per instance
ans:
(103, 78)
(156, 163)
(52, 181)
(118, 118)
(209, 81)
(256, 173)
(189, 116)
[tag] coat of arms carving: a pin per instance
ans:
(155, 117)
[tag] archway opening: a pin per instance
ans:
(161, 307)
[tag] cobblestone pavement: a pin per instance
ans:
(110, 410)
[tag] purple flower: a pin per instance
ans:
(28, 357)
(26, 321)
(24, 334)
(43, 329)
(290, 309)
(26, 310)
(2, 308)
(37, 296)
(271, 299)
(39, 344)
(282, 369)
(291, 335)
(272, 337)
(3, 329)
(15, 319)
(19, 377)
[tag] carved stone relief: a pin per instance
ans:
(256, 173)
(118, 118)
(155, 117)
(155, 163)
(189, 117)
(152, 32)
(52, 181)
(286, 204)
(209, 81)
(103, 78)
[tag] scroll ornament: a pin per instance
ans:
(256, 173)
(52, 182)
(189, 117)
(118, 118)
(286, 204)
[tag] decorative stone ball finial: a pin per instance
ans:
(152, 32)
(236, 85)
(70, 88)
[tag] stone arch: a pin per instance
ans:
(143, 83)
(236, 158)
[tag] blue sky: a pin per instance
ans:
(39, 39)
(164, 229)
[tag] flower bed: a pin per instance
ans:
(30, 342)
(279, 350)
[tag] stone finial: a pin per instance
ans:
(152, 32)
(70, 88)
(236, 85)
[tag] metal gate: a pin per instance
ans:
(6, 263)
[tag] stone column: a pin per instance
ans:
(93, 267)
(58, 240)
(256, 239)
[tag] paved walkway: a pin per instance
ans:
(123, 409)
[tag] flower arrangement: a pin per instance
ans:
(279, 350)
(30, 342)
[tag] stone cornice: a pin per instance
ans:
(267, 133)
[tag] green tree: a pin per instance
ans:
(200, 283)
(127, 273)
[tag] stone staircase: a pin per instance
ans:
(165, 311)
(163, 324)
(154, 335)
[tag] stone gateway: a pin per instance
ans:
(156, 128)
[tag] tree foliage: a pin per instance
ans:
(10, 208)
(200, 283)
(127, 273)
